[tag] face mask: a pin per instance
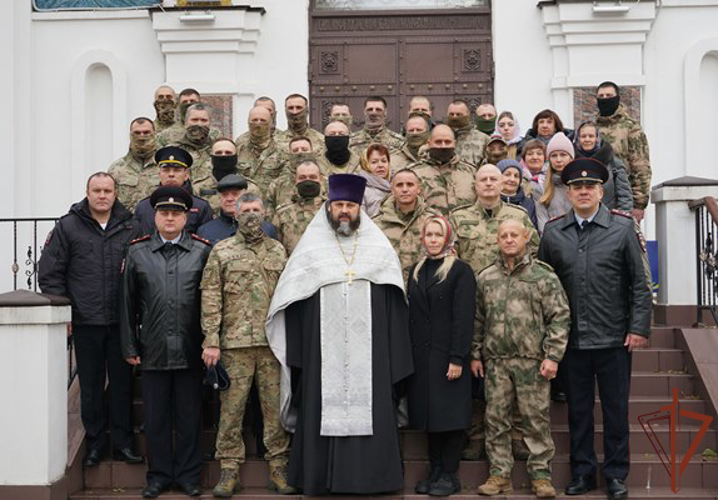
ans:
(494, 158)
(457, 122)
(608, 106)
(297, 121)
(486, 126)
(165, 112)
(250, 226)
(347, 120)
(223, 165)
(441, 155)
(416, 140)
(259, 132)
(309, 189)
(198, 134)
(337, 149)
(143, 147)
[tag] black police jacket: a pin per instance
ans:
(199, 214)
(160, 302)
(605, 273)
(82, 261)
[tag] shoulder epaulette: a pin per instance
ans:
(484, 269)
(461, 207)
(141, 238)
(519, 207)
(199, 238)
(554, 219)
(628, 215)
(544, 264)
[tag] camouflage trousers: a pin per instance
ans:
(476, 432)
(519, 380)
(243, 366)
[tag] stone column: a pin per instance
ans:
(676, 236)
(33, 388)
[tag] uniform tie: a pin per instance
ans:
(584, 224)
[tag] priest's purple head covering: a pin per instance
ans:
(346, 187)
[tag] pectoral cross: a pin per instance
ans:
(350, 276)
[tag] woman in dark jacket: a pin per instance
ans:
(617, 192)
(442, 303)
(545, 125)
(512, 189)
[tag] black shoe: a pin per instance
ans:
(446, 485)
(422, 487)
(153, 490)
(128, 456)
(580, 485)
(92, 458)
(189, 489)
(616, 489)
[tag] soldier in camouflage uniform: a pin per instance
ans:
(297, 110)
(521, 332)
(401, 217)
(340, 112)
(375, 130)
(175, 132)
(165, 106)
(136, 174)
(446, 181)
(337, 158)
(309, 192)
(197, 140)
(265, 102)
(237, 286)
(470, 143)
(259, 158)
(476, 226)
(628, 141)
(417, 135)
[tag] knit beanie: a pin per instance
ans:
(504, 165)
(559, 142)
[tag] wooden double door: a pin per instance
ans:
(398, 54)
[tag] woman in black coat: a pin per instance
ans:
(442, 303)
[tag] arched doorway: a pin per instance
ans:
(398, 49)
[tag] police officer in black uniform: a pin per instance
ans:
(174, 164)
(161, 277)
(599, 255)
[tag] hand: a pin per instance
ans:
(637, 214)
(210, 356)
(549, 369)
(133, 360)
(454, 371)
(634, 341)
(477, 368)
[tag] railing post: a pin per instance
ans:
(33, 392)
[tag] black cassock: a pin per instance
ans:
(354, 464)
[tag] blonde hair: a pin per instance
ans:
(548, 188)
(449, 260)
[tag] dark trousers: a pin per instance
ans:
(173, 397)
(445, 449)
(99, 357)
(612, 369)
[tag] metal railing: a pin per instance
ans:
(25, 234)
(706, 210)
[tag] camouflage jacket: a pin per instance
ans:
(159, 127)
(361, 139)
(403, 230)
(448, 186)
(476, 232)
(174, 133)
(263, 168)
(403, 158)
(292, 220)
(284, 137)
(523, 313)
(135, 178)
(201, 167)
(470, 145)
(328, 168)
(237, 287)
(630, 145)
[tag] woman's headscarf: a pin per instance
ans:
(449, 238)
(577, 138)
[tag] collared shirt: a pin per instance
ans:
(580, 219)
(174, 241)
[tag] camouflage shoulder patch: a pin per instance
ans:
(142, 238)
(199, 238)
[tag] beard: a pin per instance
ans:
(343, 228)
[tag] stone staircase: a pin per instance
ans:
(656, 371)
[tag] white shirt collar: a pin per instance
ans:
(174, 241)
(580, 219)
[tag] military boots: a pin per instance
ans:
(278, 477)
(228, 483)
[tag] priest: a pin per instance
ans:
(338, 325)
